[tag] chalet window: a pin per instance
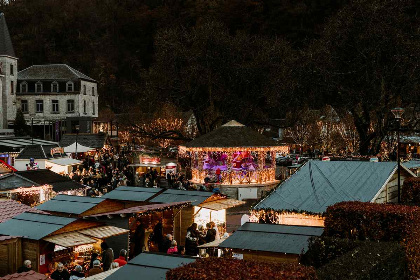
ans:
(39, 106)
(54, 87)
(55, 108)
(70, 106)
(70, 87)
(24, 87)
(38, 87)
(24, 106)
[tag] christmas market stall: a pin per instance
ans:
(149, 218)
(62, 166)
(10, 253)
(47, 239)
(133, 196)
(16, 187)
(236, 157)
(205, 207)
(33, 157)
(280, 243)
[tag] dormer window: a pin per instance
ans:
(54, 87)
(38, 87)
(70, 87)
(24, 87)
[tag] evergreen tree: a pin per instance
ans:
(20, 127)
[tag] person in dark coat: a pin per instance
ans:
(93, 257)
(60, 273)
(107, 255)
(166, 243)
(191, 240)
(158, 236)
(27, 266)
(211, 232)
(139, 236)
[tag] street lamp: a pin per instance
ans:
(77, 134)
(398, 114)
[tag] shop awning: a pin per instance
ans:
(212, 244)
(221, 204)
(80, 148)
(103, 232)
(70, 239)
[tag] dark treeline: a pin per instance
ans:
(250, 60)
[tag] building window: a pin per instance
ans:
(24, 106)
(93, 108)
(84, 106)
(12, 87)
(93, 91)
(55, 108)
(70, 106)
(11, 70)
(84, 89)
(24, 87)
(38, 87)
(54, 87)
(70, 87)
(39, 106)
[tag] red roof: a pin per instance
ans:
(12, 208)
(30, 275)
(7, 166)
(144, 208)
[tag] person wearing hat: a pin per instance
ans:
(96, 268)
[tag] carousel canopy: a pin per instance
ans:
(231, 135)
(80, 148)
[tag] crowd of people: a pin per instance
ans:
(97, 265)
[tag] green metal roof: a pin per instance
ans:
(272, 238)
(169, 196)
(132, 193)
(71, 204)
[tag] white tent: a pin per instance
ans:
(80, 148)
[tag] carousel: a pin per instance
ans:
(233, 154)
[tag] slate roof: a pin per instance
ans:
(52, 72)
(30, 275)
(271, 238)
(319, 184)
(36, 152)
(12, 181)
(21, 142)
(45, 176)
(132, 193)
(33, 226)
(169, 196)
(6, 46)
(232, 134)
(70, 204)
(150, 266)
(96, 141)
(12, 208)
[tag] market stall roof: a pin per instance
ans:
(80, 148)
(319, 184)
(29, 275)
(230, 135)
(6, 168)
(33, 226)
(70, 239)
(12, 181)
(132, 193)
(65, 161)
(7, 237)
(412, 164)
(221, 204)
(48, 177)
(71, 204)
(150, 266)
(95, 141)
(272, 238)
(144, 208)
(12, 208)
(22, 142)
(37, 152)
(103, 231)
(169, 196)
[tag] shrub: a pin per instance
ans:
(232, 269)
(370, 260)
(411, 191)
(378, 222)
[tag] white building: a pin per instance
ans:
(55, 97)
